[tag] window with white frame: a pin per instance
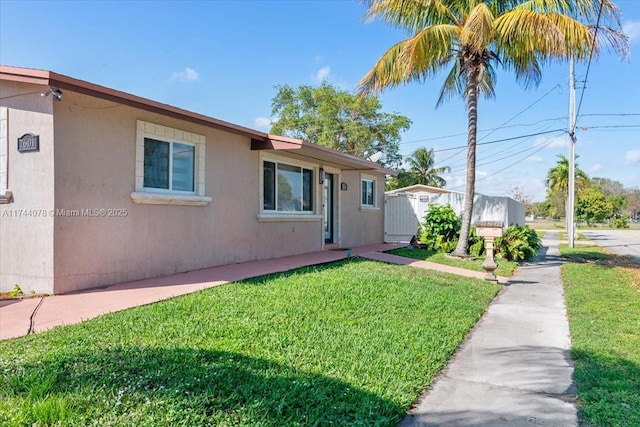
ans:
(368, 191)
(169, 166)
(286, 187)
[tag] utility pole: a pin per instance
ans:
(571, 197)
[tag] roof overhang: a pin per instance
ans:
(59, 81)
(319, 154)
(259, 140)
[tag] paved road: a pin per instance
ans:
(621, 242)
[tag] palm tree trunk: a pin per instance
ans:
(472, 115)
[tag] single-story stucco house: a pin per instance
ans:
(99, 186)
(405, 209)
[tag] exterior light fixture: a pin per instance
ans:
(53, 91)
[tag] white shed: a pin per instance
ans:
(406, 207)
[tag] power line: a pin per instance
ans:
(611, 114)
(509, 166)
(609, 127)
(501, 140)
(593, 46)
(492, 160)
(502, 126)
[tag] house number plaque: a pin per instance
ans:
(29, 142)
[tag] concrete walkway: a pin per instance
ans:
(20, 317)
(514, 369)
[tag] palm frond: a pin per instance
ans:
(415, 58)
(528, 31)
(428, 47)
(478, 30)
(410, 15)
(454, 84)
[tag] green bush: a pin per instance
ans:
(518, 243)
(620, 222)
(440, 228)
(476, 243)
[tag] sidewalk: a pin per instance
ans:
(21, 317)
(515, 368)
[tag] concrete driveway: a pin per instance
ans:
(621, 242)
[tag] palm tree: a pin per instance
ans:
(557, 182)
(472, 37)
(558, 176)
(421, 165)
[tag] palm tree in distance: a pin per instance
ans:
(421, 165)
(558, 176)
(471, 38)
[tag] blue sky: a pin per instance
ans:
(223, 59)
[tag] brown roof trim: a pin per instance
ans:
(319, 153)
(49, 78)
(259, 140)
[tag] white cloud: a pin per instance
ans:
(323, 73)
(534, 159)
(596, 168)
(553, 142)
(262, 123)
(632, 30)
(186, 75)
(632, 156)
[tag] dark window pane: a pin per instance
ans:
(156, 163)
(307, 190)
(371, 193)
(364, 192)
(289, 188)
(368, 192)
(183, 167)
(269, 186)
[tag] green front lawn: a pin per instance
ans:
(603, 303)
(349, 343)
(505, 268)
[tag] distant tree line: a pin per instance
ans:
(598, 200)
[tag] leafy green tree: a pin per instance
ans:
(471, 38)
(592, 205)
(340, 120)
(402, 179)
(617, 202)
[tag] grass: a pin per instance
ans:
(603, 303)
(565, 236)
(505, 268)
(351, 343)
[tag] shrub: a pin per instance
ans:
(440, 228)
(476, 243)
(518, 243)
(620, 222)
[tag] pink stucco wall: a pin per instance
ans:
(88, 151)
(26, 227)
